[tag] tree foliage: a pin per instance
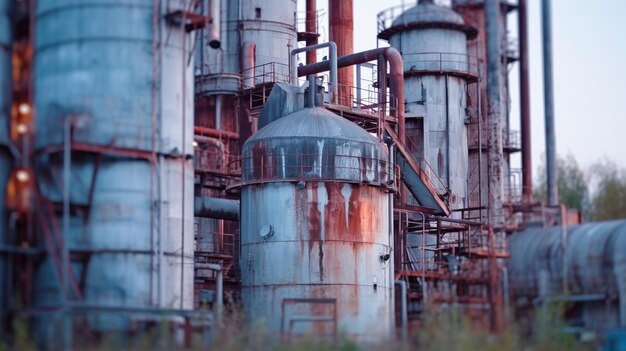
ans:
(572, 184)
(609, 198)
(599, 192)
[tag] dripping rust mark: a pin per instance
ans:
(315, 228)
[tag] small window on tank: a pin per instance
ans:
(257, 12)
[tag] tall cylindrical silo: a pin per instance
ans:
(433, 43)
(116, 76)
(256, 38)
(315, 228)
(583, 264)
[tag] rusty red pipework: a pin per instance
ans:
(396, 75)
(311, 27)
(341, 31)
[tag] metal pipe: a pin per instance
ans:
(404, 325)
(505, 291)
(563, 210)
(494, 71)
(65, 255)
(248, 58)
(480, 148)
(213, 31)
(548, 96)
(217, 143)
(396, 75)
(341, 31)
(216, 208)
(524, 83)
(311, 94)
(332, 82)
(211, 132)
(447, 101)
(382, 93)
(218, 112)
(358, 87)
(219, 303)
(310, 25)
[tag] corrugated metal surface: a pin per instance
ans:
(326, 236)
(95, 59)
(314, 144)
(591, 262)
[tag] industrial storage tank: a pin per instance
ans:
(315, 228)
(583, 264)
(437, 68)
(113, 79)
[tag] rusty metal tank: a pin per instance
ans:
(585, 264)
(119, 87)
(437, 68)
(315, 229)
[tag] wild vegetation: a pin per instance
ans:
(447, 331)
(599, 191)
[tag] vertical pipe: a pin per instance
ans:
(219, 300)
(332, 82)
(404, 327)
(341, 31)
(311, 95)
(220, 295)
(447, 135)
(564, 237)
(248, 59)
(358, 87)
(494, 64)
(480, 147)
(548, 96)
(396, 79)
(527, 168)
(218, 112)
(382, 92)
(310, 25)
(213, 31)
(65, 258)
(505, 291)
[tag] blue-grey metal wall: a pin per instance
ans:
(120, 76)
(315, 228)
(433, 43)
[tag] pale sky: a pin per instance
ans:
(589, 39)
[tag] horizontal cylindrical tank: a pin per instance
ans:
(586, 262)
(315, 228)
(433, 43)
(118, 73)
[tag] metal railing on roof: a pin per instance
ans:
(441, 62)
(385, 18)
(272, 72)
